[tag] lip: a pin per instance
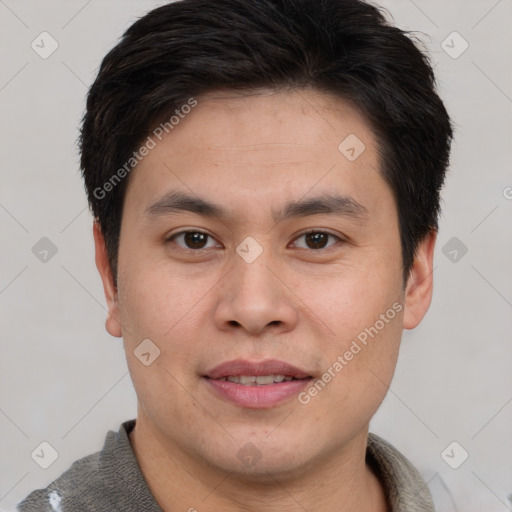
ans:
(256, 397)
(238, 367)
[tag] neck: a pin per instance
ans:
(179, 481)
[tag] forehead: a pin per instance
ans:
(276, 145)
(268, 122)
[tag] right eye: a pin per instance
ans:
(191, 240)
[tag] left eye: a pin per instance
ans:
(197, 240)
(317, 239)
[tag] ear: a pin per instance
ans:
(112, 324)
(418, 292)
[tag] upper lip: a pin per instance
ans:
(249, 368)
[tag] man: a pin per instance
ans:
(264, 177)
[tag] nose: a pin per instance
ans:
(255, 297)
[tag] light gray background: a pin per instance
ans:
(64, 379)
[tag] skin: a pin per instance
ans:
(251, 153)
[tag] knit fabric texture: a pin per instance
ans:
(111, 481)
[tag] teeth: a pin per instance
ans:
(241, 379)
(252, 380)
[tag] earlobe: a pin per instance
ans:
(112, 324)
(418, 293)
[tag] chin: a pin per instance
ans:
(263, 454)
(264, 469)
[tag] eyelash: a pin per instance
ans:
(173, 237)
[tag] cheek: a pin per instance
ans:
(360, 364)
(361, 317)
(161, 310)
(154, 299)
(144, 317)
(352, 299)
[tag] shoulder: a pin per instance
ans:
(106, 480)
(443, 489)
(404, 486)
(73, 490)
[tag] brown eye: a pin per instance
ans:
(317, 239)
(194, 240)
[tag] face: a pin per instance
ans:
(286, 261)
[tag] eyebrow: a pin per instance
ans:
(178, 201)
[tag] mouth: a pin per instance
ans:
(258, 380)
(261, 384)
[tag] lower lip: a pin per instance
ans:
(258, 397)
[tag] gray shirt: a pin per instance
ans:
(111, 481)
